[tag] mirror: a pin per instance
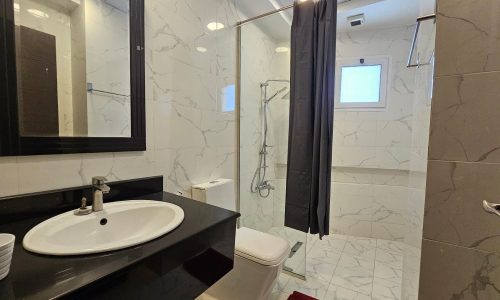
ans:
(73, 67)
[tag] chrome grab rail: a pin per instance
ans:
(90, 89)
(414, 43)
(492, 208)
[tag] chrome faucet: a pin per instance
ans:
(98, 189)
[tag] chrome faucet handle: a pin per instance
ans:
(83, 210)
(492, 208)
(98, 184)
(98, 180)
(84, 203)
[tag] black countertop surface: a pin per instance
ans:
(34, 276)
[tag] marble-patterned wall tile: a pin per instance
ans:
(450, 272)
(355, 133)
(465, 121)
(394, 158)
(467, 38)
(377, 138)
(354, 156)
(370, 176)
(460, 250)
(415, 216)
(188, 139)
(368, 210)
(453, 209)
(40, 173)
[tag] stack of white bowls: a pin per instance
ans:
(6, 249)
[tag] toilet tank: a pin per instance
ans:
(219, 192)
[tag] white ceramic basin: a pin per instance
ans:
(127, 223)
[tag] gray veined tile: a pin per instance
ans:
(354, 273)
(363, 241)
(333, 242)
(356, 262)
(467, 37)
(356, 280)
(392, 259)
(352, 226)
(386, 290)
(321, 269)
(312, 287)
(464, 121)
(453, 206)
(450, 272)
(324, 254)
(283, 280)
(388, 272)
(391, 246)
(389, 231)
(336, 292)
(361, 247)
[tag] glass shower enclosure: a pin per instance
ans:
(264, 89)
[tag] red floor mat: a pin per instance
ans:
(299, 296)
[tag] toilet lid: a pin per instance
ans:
(261, 247)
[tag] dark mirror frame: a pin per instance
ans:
(12, 144)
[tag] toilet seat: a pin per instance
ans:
(259, 247)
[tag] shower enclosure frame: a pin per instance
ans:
(238, 95)
(238, 113)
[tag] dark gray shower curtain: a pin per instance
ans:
(311, 116)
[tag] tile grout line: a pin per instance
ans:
(335, 268)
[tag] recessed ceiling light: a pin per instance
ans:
(17, 7)
(215, 26)
(282, 49)
(38, 13)
(201, 49)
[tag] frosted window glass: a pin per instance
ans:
(360, 84)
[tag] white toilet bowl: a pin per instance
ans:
(258, 261)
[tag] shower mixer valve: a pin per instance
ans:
(265, 186)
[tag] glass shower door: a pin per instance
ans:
(263, 132)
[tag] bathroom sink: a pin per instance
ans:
(119, 225)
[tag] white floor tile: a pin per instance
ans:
(339, 293)
(390, 258)
(343, 267)
(388, 272)
(391, 246)
(386, 290)
(321, 269)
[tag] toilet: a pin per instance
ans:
(258, 257)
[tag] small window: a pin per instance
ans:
(361, 83)
(228, 103)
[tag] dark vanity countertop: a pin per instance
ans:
(35, 276)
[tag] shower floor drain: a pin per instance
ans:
(295, 248)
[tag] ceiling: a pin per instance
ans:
(277, 25)
(378, 14)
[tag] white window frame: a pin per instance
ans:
(384, 61)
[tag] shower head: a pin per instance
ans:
(276, 94)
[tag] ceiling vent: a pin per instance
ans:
(356, 20)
